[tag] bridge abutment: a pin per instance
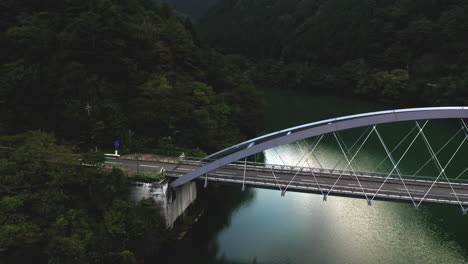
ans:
(172, 202)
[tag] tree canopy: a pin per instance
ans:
(60, 212)
(96, 71)
(415, 51)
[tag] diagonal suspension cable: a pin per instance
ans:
(342, 172)
(282, 161)
(300, 169)
(351, 148)
(441, 169)
(360, 137)
(395, 165)
(313, 175)
(311, 152)
(347, 150)
(463, 125)
(315, 144)
(302, 151)
(463, 172)
(307, 145)
(336, 165)
(315, 157)
(292, 179)
(466, 133)
(245, 168)
(277, 183)
(442, 148)
(395, 148)
(349, 163)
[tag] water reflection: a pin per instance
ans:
(299, 228)
(220, 203)
(260, 226)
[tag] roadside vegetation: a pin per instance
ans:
(54, 211)
(77, 75)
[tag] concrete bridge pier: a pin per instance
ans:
(172, 202)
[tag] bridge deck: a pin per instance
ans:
(324, 182)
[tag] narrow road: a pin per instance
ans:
(363, 186)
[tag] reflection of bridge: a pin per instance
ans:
(231, 166)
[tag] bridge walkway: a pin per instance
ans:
(314, 180)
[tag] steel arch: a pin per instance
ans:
(289, 135)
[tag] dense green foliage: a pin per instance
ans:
(92, 72)
(412, 50)
(95, 71)
(52, 211)
(191, 8)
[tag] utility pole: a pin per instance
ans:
(3, 113)
(130, 137)
(137, 157)
(91, 136)
(88, 108)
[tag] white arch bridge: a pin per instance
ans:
(231, 166)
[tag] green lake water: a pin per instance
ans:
(261, 226)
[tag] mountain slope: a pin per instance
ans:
(391, 48)
(97, 71)
(191, 8)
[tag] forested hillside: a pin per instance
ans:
(91, 72)
(411, 50)
(95, 71)
(54, 211)
(191, 8)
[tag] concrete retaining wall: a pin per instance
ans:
(173, 203)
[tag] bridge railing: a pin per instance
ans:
(240, 163)
(281, 168)
(289, 168)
